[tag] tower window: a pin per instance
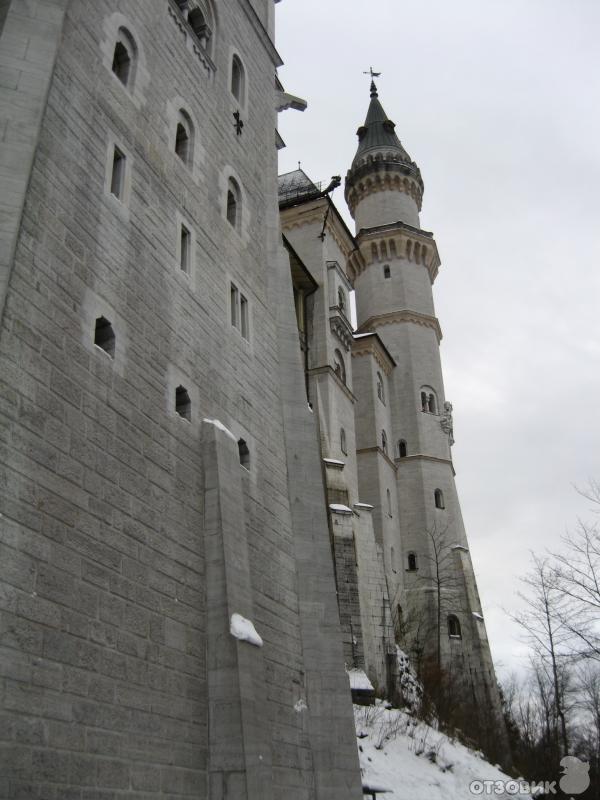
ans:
(244, 454)
(240, 315)
(428, 401)
(184, 138)
(386, 271)
(244, 323)
(185, 245)
(388, 495)
(234, 298)
(124, 57)
(454, 631)
(104, 336)
(121, 65)
(384, 443)
(343, 445)
(233, 203)
(183, 404)
(402, 448)
(439, 498)
(200, 27)
(380, 388)
(117, 179)
(412, 562)
(238, 79)
(341, 299)
(338, 365)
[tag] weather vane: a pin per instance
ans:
(371, 73)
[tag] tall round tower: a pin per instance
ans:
(432, 584)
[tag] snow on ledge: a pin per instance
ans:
(218, 424)
(338, 508)
(477, 615)
(460, 547)
(367, 506)
(359, 681)
(244, 630)
(334, 462)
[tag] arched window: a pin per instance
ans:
(341, 296)
(384, 445)
(454, 627)
(338, 365)
(238, 79)
(402, 448)
(439, 498)
(244, 454)
(124, 57)
(380, 388)
(388, 495)
(412, 562)
(200, 26)
(428, 400)
(183, 404)
(184, 138)
(233, 203)
(104, 336)
(386, 271)
(393, 249)
(374, 252)
(383, 248)
(343, 445)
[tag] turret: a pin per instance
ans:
(384, 184)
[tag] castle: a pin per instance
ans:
(219, 501)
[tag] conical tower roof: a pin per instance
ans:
(378, 132)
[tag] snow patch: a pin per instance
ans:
(244, 630)
(416, 761)
(334, 462)
(477, 615)
(366, 506)
(338, 508)
(300, 706)
(218, 424)
(359, 681)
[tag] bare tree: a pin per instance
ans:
(545, 621)
(576, 574)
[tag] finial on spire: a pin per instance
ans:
(373, 75)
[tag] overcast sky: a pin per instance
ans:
(498, 103)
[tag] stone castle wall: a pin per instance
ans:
(119, 676)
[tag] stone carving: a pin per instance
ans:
(447, 423)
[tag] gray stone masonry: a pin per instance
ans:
(129, 534)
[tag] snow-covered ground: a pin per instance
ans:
(416, 762)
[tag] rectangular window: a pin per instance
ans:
(244, 316)
(117, 180)
(185, 249)
(234, 305)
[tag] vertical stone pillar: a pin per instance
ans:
(29, 37)
(240, 761)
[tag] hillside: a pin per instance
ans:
(416, 762)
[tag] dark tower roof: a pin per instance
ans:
(377, 133)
